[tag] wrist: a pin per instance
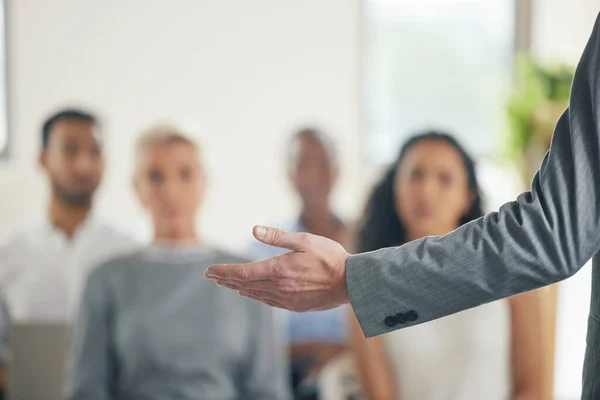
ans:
(343, 280)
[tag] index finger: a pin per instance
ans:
(253, 271)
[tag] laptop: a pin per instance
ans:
(38, 360)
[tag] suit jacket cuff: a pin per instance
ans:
(365, 289)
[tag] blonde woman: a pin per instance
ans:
(151, 327)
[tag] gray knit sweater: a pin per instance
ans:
(151, 327)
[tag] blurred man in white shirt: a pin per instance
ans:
(43, 266)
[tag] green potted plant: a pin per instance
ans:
(540, 96)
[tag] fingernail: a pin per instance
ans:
(209, 274)
(261, 231)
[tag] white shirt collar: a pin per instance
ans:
(52, 231)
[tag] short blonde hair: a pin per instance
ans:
(163, 134)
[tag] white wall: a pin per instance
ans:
(241, 73)
(561, 28)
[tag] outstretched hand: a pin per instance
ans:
(309, 278)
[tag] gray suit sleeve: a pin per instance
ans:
(545, 236)
(92, 368)
(266, 375)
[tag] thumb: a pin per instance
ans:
(278, 237)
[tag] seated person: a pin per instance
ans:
(151, 327)
(315, 337)
(494, 351)
(43, 264)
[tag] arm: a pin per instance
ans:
(545, 236)
(320, 352)
(374, 372)
(529, 346)
(266, 375)
(317, 338)
(92, 365)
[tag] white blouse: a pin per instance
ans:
(465, 356)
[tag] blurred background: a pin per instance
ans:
(242, 76)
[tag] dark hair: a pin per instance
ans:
(66, 114)
(316, 134)
(380, 225)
